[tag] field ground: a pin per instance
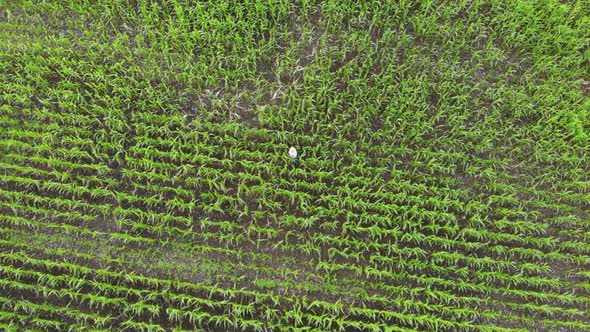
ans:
(443, 181)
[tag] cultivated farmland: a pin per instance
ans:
(442, 180)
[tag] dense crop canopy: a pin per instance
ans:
(294, 165)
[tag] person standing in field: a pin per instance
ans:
(293, 156)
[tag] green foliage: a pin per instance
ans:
(442, 184)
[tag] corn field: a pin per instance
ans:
(274, 165)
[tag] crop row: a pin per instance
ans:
(541, 297)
